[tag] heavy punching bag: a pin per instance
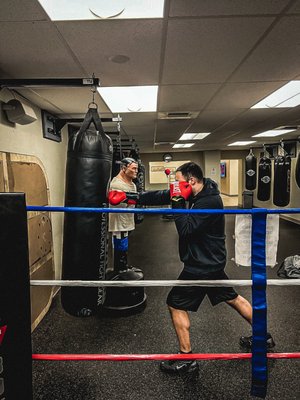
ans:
(264, 179)
(251, 171)
(297, 171)
(88, 173)
(282, 173)
(140, 186)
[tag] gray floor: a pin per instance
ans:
(153, 247)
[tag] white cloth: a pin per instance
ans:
(243, 231)
(121, 222)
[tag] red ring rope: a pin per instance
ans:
(144, 357)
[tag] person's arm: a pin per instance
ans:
(190, 224)
(151, 198)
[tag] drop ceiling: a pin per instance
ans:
(212, 58)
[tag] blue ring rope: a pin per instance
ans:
(164, 210)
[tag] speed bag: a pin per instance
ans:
(264, 179)
(140, 186)
(85, 244)
(297, 171)
(281, 188)
(251, 171)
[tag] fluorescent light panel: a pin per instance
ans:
(194, 136)
(242, 143)
(183, 145)
(274, 132)
(118, 9)
(130, 98)
(285, 97)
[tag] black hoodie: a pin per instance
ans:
(201, 236)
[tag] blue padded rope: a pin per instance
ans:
(259, 303)
(164, 210)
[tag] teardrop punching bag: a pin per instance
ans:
(297, 171)
(264, 179)
(251, 171)
(88, 173)
(282, 174)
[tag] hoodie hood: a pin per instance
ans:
(210, 188)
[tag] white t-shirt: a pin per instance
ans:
(121, 222)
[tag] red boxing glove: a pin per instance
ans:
(180, 189)
(116, 197)
(167, 171)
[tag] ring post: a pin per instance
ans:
(15, 321)
(259, 304)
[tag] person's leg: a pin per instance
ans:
(181, 323)
(243, 307)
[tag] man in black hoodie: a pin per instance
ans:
(203, 253)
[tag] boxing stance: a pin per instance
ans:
(203, 253)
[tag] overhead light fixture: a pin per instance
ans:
(242, 143)
(130, 98)
(118, 9)
(274, 132)
(183, 145)
(285, 97)
(194, 136)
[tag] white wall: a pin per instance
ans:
(196, 157)
(212, 165)
(28, 140)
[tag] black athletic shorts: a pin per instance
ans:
(189, 298)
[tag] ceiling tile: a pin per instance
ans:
(208, 50)
(140, 40)
(185, 97)
(25, 10)
(67, 100)
(202, 8)
(277, 57)
(34, 50)
(171, 130)
(210, 120)
(243, 95)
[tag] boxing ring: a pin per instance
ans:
(15, 337)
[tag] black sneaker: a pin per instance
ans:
(180, 366)
(246, 341)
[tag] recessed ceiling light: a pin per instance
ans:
(287, 96)
(194, 136)
(102, 9)
(130, 98)
(274, 132)
(183, 145)
(242, 143)
(119, 59)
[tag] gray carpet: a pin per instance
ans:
(153, 247)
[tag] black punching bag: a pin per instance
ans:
(251, 171)
(282, 173)
(264, 179)
(297, 171)
(140, 186)
(88, 175)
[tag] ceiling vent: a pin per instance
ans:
(178, 115)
